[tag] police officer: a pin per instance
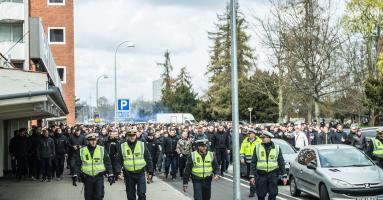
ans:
(93, 164)
(266, 166)
(375, 148)
(135, 158)
(202, 167)
(246, 152)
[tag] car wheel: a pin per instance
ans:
(294, 191)
(323, 193)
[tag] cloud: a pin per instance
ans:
(179, 26)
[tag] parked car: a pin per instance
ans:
(335, 172)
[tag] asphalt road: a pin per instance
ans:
(223, 189)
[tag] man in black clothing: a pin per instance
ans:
(220, 143)
(111, 146)
(201, 167)
(34, 164)
(46, 154)
(154, 149)
(12, 151)
(76, 141)
(171, 155)
(266, 165)
(22, 147)
(61, 145)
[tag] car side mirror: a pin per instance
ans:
(312, 165)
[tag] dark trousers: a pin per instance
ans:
(135, 185)
(267, 183)
(46, 167)
(74, 158)
(93, 187)
(253, 188)
(22, 166)
(182, 165)
(202, 189)
(59, 165)
(14, 166)
(34, 166)
(221, 158)
(171, 160)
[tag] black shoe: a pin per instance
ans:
(166, 176)
(251, 195)
(43, 180)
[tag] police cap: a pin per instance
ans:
(91, 136)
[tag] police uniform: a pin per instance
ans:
(375, 148)
(266, 166)
(246, 153)
(201, 168)
(93, 164)
(134, 158)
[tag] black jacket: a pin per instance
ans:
(46, 148)
(76, 141)
(111, 146)
(61, 144)
(21, 146)
(34, 141)
(107, 163)
(169, 145)
(119, 161)
(359, 142)
(154, 148)
(189, 167)
(281, 162)
(220, 140)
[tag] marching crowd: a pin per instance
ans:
(41, 153)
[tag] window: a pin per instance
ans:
(11, 32)
(62, 73)
(56, 35)
(56, 2)
(18, 64)
(306, 156)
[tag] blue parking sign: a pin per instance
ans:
(123, 105)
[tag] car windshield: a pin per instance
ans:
(286, 148)
(343, 158)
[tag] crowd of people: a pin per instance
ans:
(41, 153)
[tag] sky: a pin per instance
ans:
(154, 26)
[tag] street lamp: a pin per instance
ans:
(115, 77)
(98, 78)
(250, 109)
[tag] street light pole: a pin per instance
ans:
(234, 100)
(250, 109)
(115, 78)
(98, 78)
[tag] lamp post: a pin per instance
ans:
(98, 78)
(250, 109)
(115, 77)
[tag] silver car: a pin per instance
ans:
(335, 172)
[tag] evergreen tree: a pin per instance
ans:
(184, 98)
(168, 82)
(219, 68)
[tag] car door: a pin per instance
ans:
(309, 175)
(298, 169)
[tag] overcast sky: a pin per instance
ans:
(154, 26)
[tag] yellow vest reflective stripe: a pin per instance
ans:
(133, 161)
(92, 166)
(202, 168)
(267, 164)
(378, 148)
(247, 148)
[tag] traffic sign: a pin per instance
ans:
(123, 115)
(123, 105)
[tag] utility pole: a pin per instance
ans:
(234, 101)
(250, 109)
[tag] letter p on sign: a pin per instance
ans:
(123, 104)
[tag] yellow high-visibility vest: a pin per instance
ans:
(202, 168)
(265, 163)
(247, 148)
(133, 161)
(92, 166)
(378, 148)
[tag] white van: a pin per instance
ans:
(179, 118)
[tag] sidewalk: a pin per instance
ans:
(63, 190)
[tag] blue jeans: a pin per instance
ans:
(135, 185)
(171, 160)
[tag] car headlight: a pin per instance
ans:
(341, 183)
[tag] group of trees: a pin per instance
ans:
(322, 65)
